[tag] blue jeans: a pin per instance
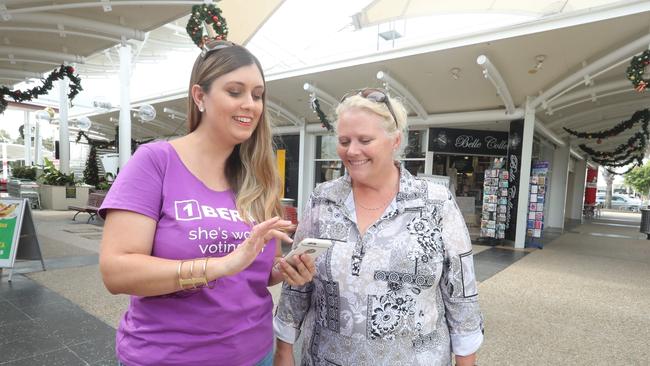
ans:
(266, 361)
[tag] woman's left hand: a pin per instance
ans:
(299, 274)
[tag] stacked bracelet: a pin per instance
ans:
(194, 282)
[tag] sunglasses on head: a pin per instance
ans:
(375, 95)
(214, 46)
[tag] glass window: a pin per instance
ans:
(417, 144)
(326, 147)
(414, 167)
(327, 166)
(328, 170)
(291, 145)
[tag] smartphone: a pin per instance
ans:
(311, 246)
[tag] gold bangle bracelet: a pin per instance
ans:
(183, 282)
(205, 273)
(201, 279)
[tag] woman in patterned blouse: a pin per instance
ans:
(398, 285)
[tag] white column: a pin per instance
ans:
(27, 133)
(38, 144)
(524, 178)
(558, 187)
(64, 135)
(428, 162)
(306, 180)
(125, 105)
(4, 162)
(580, 176)
(301, 168)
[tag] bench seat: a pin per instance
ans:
(94, 203)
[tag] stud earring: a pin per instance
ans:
(201, 109)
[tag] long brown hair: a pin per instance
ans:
(250, 169)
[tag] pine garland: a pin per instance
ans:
(635, 145)
(636, 69)
(638, 116)
(33, 93)
(625, 172)
(315, 105)
(630, 152)
(206, 15)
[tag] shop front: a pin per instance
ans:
(464, 156)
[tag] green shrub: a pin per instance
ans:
(52, 176)
(24, 172)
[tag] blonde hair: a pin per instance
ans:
(250, 169)
(392, 128)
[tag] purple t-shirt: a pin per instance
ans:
(228, 325)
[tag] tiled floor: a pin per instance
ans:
(40, 327)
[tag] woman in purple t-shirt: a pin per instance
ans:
(179, 234)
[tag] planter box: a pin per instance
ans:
(55, 197)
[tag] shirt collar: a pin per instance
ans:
(412, 191)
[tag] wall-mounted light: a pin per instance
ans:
(174, 114)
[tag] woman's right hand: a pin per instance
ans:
(283, 354)
(247, 251)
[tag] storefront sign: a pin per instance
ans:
(10, 221)
(514, 163)
(17, 233)
(459, 141)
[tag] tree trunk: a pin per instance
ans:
(609, 180)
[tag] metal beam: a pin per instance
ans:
(623, 52)
(59, 7)
(79, 23)
(320, 94)
(30, 52)
(587, 92)
(467, 117)
(409, 99)
(14, 60)
(575, 118)
(282, 111)
(60, 31)
(491, 73)
(19, 73)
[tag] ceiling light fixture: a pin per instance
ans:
(455, 73)
(539, 61)
(390, 35)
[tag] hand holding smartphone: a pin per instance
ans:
(311, 246)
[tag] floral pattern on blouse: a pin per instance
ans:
(400, 294)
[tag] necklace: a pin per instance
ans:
(373, 208)
(383, 205)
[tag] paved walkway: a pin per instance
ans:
(581, 300)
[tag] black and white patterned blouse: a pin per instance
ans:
(403, 293)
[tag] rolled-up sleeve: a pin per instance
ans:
(458, 283)
(295, 301)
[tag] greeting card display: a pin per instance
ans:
(535, 222)
(495, 203)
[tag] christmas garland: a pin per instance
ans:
(637, 68)
(625, 172)
(636, 143)
(206, 15)
(315, 105)
(106, 144)
(630, 152)
(638, 116)
(35, 92)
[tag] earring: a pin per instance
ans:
(201, 109)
